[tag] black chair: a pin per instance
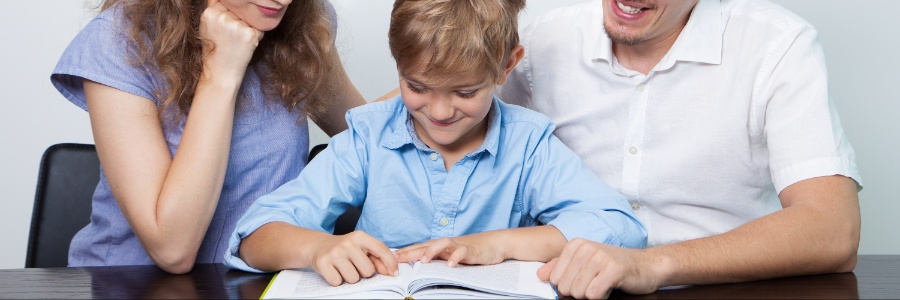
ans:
(346, 223)
(68, 176)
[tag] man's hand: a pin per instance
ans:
(588, 269)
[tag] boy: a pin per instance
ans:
(445, 170)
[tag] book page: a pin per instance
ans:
(510, 278)
(306, 283)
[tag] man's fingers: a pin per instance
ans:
(599, 288)
(544, 271)
(569, 267)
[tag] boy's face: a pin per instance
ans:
(449, 114)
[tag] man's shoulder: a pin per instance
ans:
(763, 14)
(562, 22)
(571, 13)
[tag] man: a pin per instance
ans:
(713, 118)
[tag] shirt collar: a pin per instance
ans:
(699, 41)
(404, 132)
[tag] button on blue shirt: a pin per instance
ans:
(522, 175)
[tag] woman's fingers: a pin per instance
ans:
(228, 42)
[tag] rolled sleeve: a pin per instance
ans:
(613, 227)
(314, 200)
(568, 196)
(804, 132)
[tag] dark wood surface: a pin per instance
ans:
(876, 276)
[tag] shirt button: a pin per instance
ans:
(444, 221)
(433, 156)
(641, 87)
(633, 150)
(635, 206)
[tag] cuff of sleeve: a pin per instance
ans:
(784, 177)
(611, 227)
(232, 257)
(577, 225)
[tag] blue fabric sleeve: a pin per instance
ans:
(325, 189)
(101, 53)
(564, 193)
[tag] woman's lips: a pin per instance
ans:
(268, 11)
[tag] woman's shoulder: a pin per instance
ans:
(103, 52)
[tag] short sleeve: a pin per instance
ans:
(804, 133)
(101, 53)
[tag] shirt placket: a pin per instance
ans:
(633, 148)
(447, 197)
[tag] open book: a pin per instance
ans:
(510, 279)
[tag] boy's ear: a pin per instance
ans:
(514, 57)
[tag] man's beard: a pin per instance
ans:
(621, 39)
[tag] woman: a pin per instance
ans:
(198, 107)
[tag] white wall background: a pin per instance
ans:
(860, 45)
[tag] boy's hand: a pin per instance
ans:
(470, 250)
(353, 256)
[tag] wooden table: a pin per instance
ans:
(876, 276)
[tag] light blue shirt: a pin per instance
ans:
(269, 145)
(521, 175)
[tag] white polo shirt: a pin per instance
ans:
(734, 113)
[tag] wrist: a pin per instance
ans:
(661, 267)
(222, 78)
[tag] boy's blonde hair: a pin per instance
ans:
(454, 36)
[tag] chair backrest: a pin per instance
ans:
(346, 223)
(62, 202)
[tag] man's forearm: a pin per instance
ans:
(817, 232)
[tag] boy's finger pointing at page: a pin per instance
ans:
(382, 257)
(412, 253)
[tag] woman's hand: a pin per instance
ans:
(228, 43)
(352, 256)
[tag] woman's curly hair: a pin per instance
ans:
(292, 60)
